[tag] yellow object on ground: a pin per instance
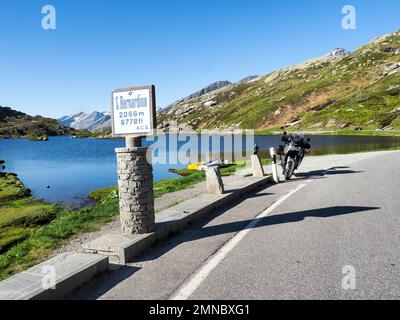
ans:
(195, 166)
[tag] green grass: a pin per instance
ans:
(31, 229)
(104, 194)
(189, 178)
(11, 188)
(20, 214)
(42, 241)
(266, 161)
(390, 133)
(266, 132)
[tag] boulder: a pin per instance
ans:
(257, 167)
(214, 180)
(210, 103)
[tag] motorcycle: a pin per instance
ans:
(292, 152)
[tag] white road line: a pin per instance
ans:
(186, 290)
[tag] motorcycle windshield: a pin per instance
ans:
(298, 139)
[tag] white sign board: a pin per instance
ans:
(133, 111)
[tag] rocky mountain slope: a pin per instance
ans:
(71, 119)
(210, 88)
(94, 121)
(340, 90)
(15, 124)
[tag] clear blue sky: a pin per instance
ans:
(179, 45)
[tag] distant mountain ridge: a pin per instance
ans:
(339, 52)
(215, 86)
(94, 121)
(210, 88)
(248, 79)
(16, 124)
(69, 120)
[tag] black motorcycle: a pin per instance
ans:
(292, 152)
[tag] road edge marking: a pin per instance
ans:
(189, 286)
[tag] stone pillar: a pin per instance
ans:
(258, 169)
(214, 180)
(135, 183)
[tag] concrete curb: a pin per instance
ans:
(123, 248)
(70, 269)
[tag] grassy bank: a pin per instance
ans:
(20, 214)
(392, 133)
(32, 229)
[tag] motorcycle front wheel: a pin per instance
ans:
(289, 169)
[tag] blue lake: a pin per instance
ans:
(74, 167)
(71, 167)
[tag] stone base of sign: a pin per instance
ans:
(119, 247)
(214, 180)
(135, 184)
(257, 167)
(123, 248)
(71, 271)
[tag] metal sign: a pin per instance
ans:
(133, 111)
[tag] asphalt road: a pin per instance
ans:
(325, 235)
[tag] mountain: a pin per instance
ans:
(69, 120)
(248, 79)
(340, 90)
(15, 124)
(210, 88)
(94, 121)
(339, 52)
